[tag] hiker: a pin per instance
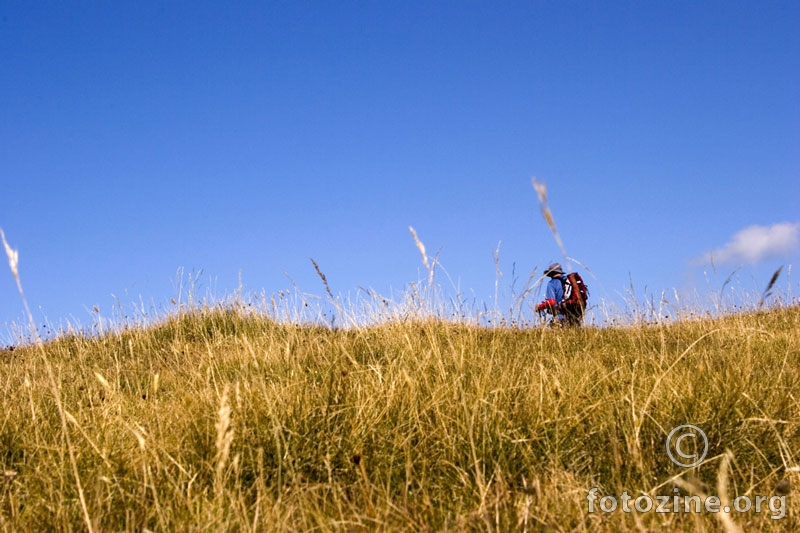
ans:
(565, 297)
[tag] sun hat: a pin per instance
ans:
(554, 268)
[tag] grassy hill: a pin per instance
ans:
(219, 421)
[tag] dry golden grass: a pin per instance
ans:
(218, 420)
(223, 419)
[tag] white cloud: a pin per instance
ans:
(756, 243)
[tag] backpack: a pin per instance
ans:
(575, 290)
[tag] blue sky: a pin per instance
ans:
(137, 139)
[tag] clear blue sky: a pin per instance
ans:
(137, 138)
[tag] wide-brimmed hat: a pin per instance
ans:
(554, 268)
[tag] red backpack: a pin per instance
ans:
(575, 290)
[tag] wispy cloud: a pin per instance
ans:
(756, 243)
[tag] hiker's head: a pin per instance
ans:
(554, 270)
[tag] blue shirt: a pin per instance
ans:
(555, 290)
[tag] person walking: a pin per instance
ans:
(565, 298)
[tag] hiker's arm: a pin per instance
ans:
(547, 304)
